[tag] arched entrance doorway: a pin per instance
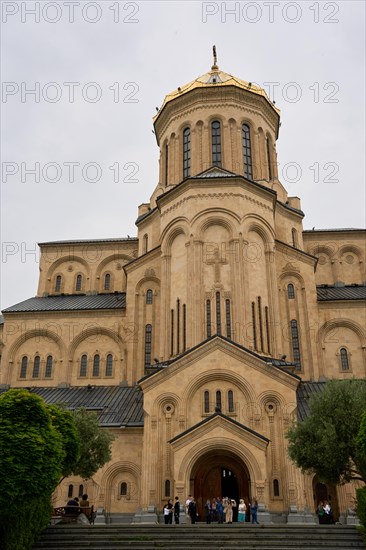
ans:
(322, 492)
(219, 474)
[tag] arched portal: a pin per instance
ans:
(219, 474)
(323, 492)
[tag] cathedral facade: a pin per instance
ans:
(199, 341)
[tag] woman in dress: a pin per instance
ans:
(241, 511)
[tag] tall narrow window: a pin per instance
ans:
(260, 322)
(208, 317)
(218, 401)
(268, 335)
(96, 365)
(218, 313)
(178, 326)
(149, 296)
(344, 359)
(83, 365)
(276, 488)
(295, 342)
(81, 490)
(166, 164)
(228, 319)
(145, 243)
(230, 398)
(48, 371)
(23, 368)
(172, 332)
(255, 344)
(207, 401)
(167, 487)
(109, 365)
(70, 491)
(186, 152)
(79, 281)
(184, 327)
(216, 142)
(107, 281)
(36, 366)
(148, 340)
(290, 291)
(123, 489)
(269, 159)
(294, 237)
(58, 283)
(247, 154)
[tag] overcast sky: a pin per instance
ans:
(123, 58)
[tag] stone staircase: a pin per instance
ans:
(215, 537)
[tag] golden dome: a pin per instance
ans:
(219, 79)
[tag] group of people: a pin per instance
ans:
(74, 506)
(218, 510)
(324, 512)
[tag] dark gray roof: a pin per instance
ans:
(333, 230)
(84, 241)
(347, 292)
(304, 391)
(1, 319)
(215, 172)
(115, 405)
(116, 300)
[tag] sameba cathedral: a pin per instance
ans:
(200, 341)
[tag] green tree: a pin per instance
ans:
(31, 461)
(96, 442)
(325, 443)
(64, 422)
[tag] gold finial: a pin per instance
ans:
(214, 66)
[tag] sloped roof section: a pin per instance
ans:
(117, 406)
(215, 172)
(347, 292)
(304, 392)
(117, 300)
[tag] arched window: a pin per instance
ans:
(230, 399)
(247, 154)
(149, 296)
(207, 401)
(290, 291)
(216, 142)
(107, 281)
(295, 341)
(145, 243)
(166, 164)
(294, 237)
(109, 365)
(178, 325)
(70, 491)
(79, 282)
(48, 371)
(58, 283)
(186, 152)
(260, 322)
(269, 158)
(23, 368)
(148, 339)
(208, 317)
(218, 313)
(266, 313)
(344, 359)
(36, 366)
(218, 401)
(81, 490)
(167, 487)
(83, 365)
(276, 488)
(228, 319)
(96, 365)
(123, 489)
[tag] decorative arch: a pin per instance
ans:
(224, 444)
(92, 332)
(350, 248)
(262, 227)
(164, 399)
(216, 217)
(146, 280)
(111, 258)
(170, 233)
(117, 467)
(342, 323)
(36, 333)
(66, 259)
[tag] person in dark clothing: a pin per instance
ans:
(176, 510)
(168, 512)
(72, 506)
(192, 510)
